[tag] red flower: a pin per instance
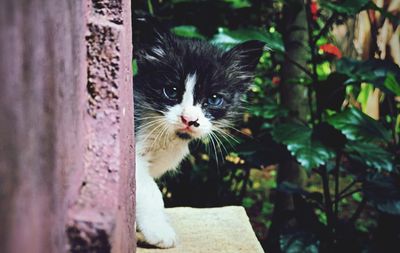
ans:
(331, 49)
(314, 10)
(276, 80)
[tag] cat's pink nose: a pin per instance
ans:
(189, 121)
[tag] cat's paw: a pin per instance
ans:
(160, 235)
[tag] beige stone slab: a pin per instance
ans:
(209, 230)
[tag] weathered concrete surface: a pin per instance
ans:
(66, 153)
(101, 219)
(211, 230)
(42, 77)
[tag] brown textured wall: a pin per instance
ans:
(66, 152)
(102, 216)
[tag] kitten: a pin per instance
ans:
(184, 90)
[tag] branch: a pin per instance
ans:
(327, 26)
(336, 171)
(358, 212)
(327, 197)
(298, 65)
(313, 62)
(348, 187)
(150, 7)
(393, 115)
(347, 195)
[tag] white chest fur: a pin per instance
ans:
(162, 156)
(153, 159)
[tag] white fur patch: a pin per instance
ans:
(188, 96)
(150, 217)
(158, 51)
(190, 111)
(150, 58)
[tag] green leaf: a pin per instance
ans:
(248, 202)
(187, 31)
(291, 188)
(383, 192)
(238, 4)
(323, 69)
(269, 109)
(329, 136)
(384, 12)
(370, 155)
(363, 95)
(331, 92)
(357, 196)
(310, 153)
(134, 67)
(267, 208)
(227, 38)
(180, 1)
(357, 126)
(392, 84)
(349, 7)
(372, 71)
(301, 241)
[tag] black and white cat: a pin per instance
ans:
(184, 90)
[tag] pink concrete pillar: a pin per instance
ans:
(66, 127)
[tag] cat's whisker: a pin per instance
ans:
(222, 155)
(164, 128)
(233, 128)
(226, 134)
(166, 138)
(151, 117)
(220, 144)
(149, 129)
(151, 132)
(149, 109)
(148, 125)
(165, 135)
(156, 134)
(141, 106)
(207, 144)
(215, 150)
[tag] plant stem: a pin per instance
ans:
(244, 185)
(326, 27)
(150, 7)
(298, 65)
(346, 195)
(313, 62)
(348, 187)
(393, 115)
(336, 171)
(327, 197)
(358, 211)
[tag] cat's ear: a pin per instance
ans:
(150, 35)
(245, 56)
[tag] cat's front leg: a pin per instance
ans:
(150, 217)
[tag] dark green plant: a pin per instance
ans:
(352, 160)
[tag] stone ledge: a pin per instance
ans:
(209, 230)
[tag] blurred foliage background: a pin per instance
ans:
(315, 159)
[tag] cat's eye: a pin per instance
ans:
(215, 100)
(171, 92)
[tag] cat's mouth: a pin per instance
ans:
(184, 135)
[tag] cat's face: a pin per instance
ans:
(188, 88)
